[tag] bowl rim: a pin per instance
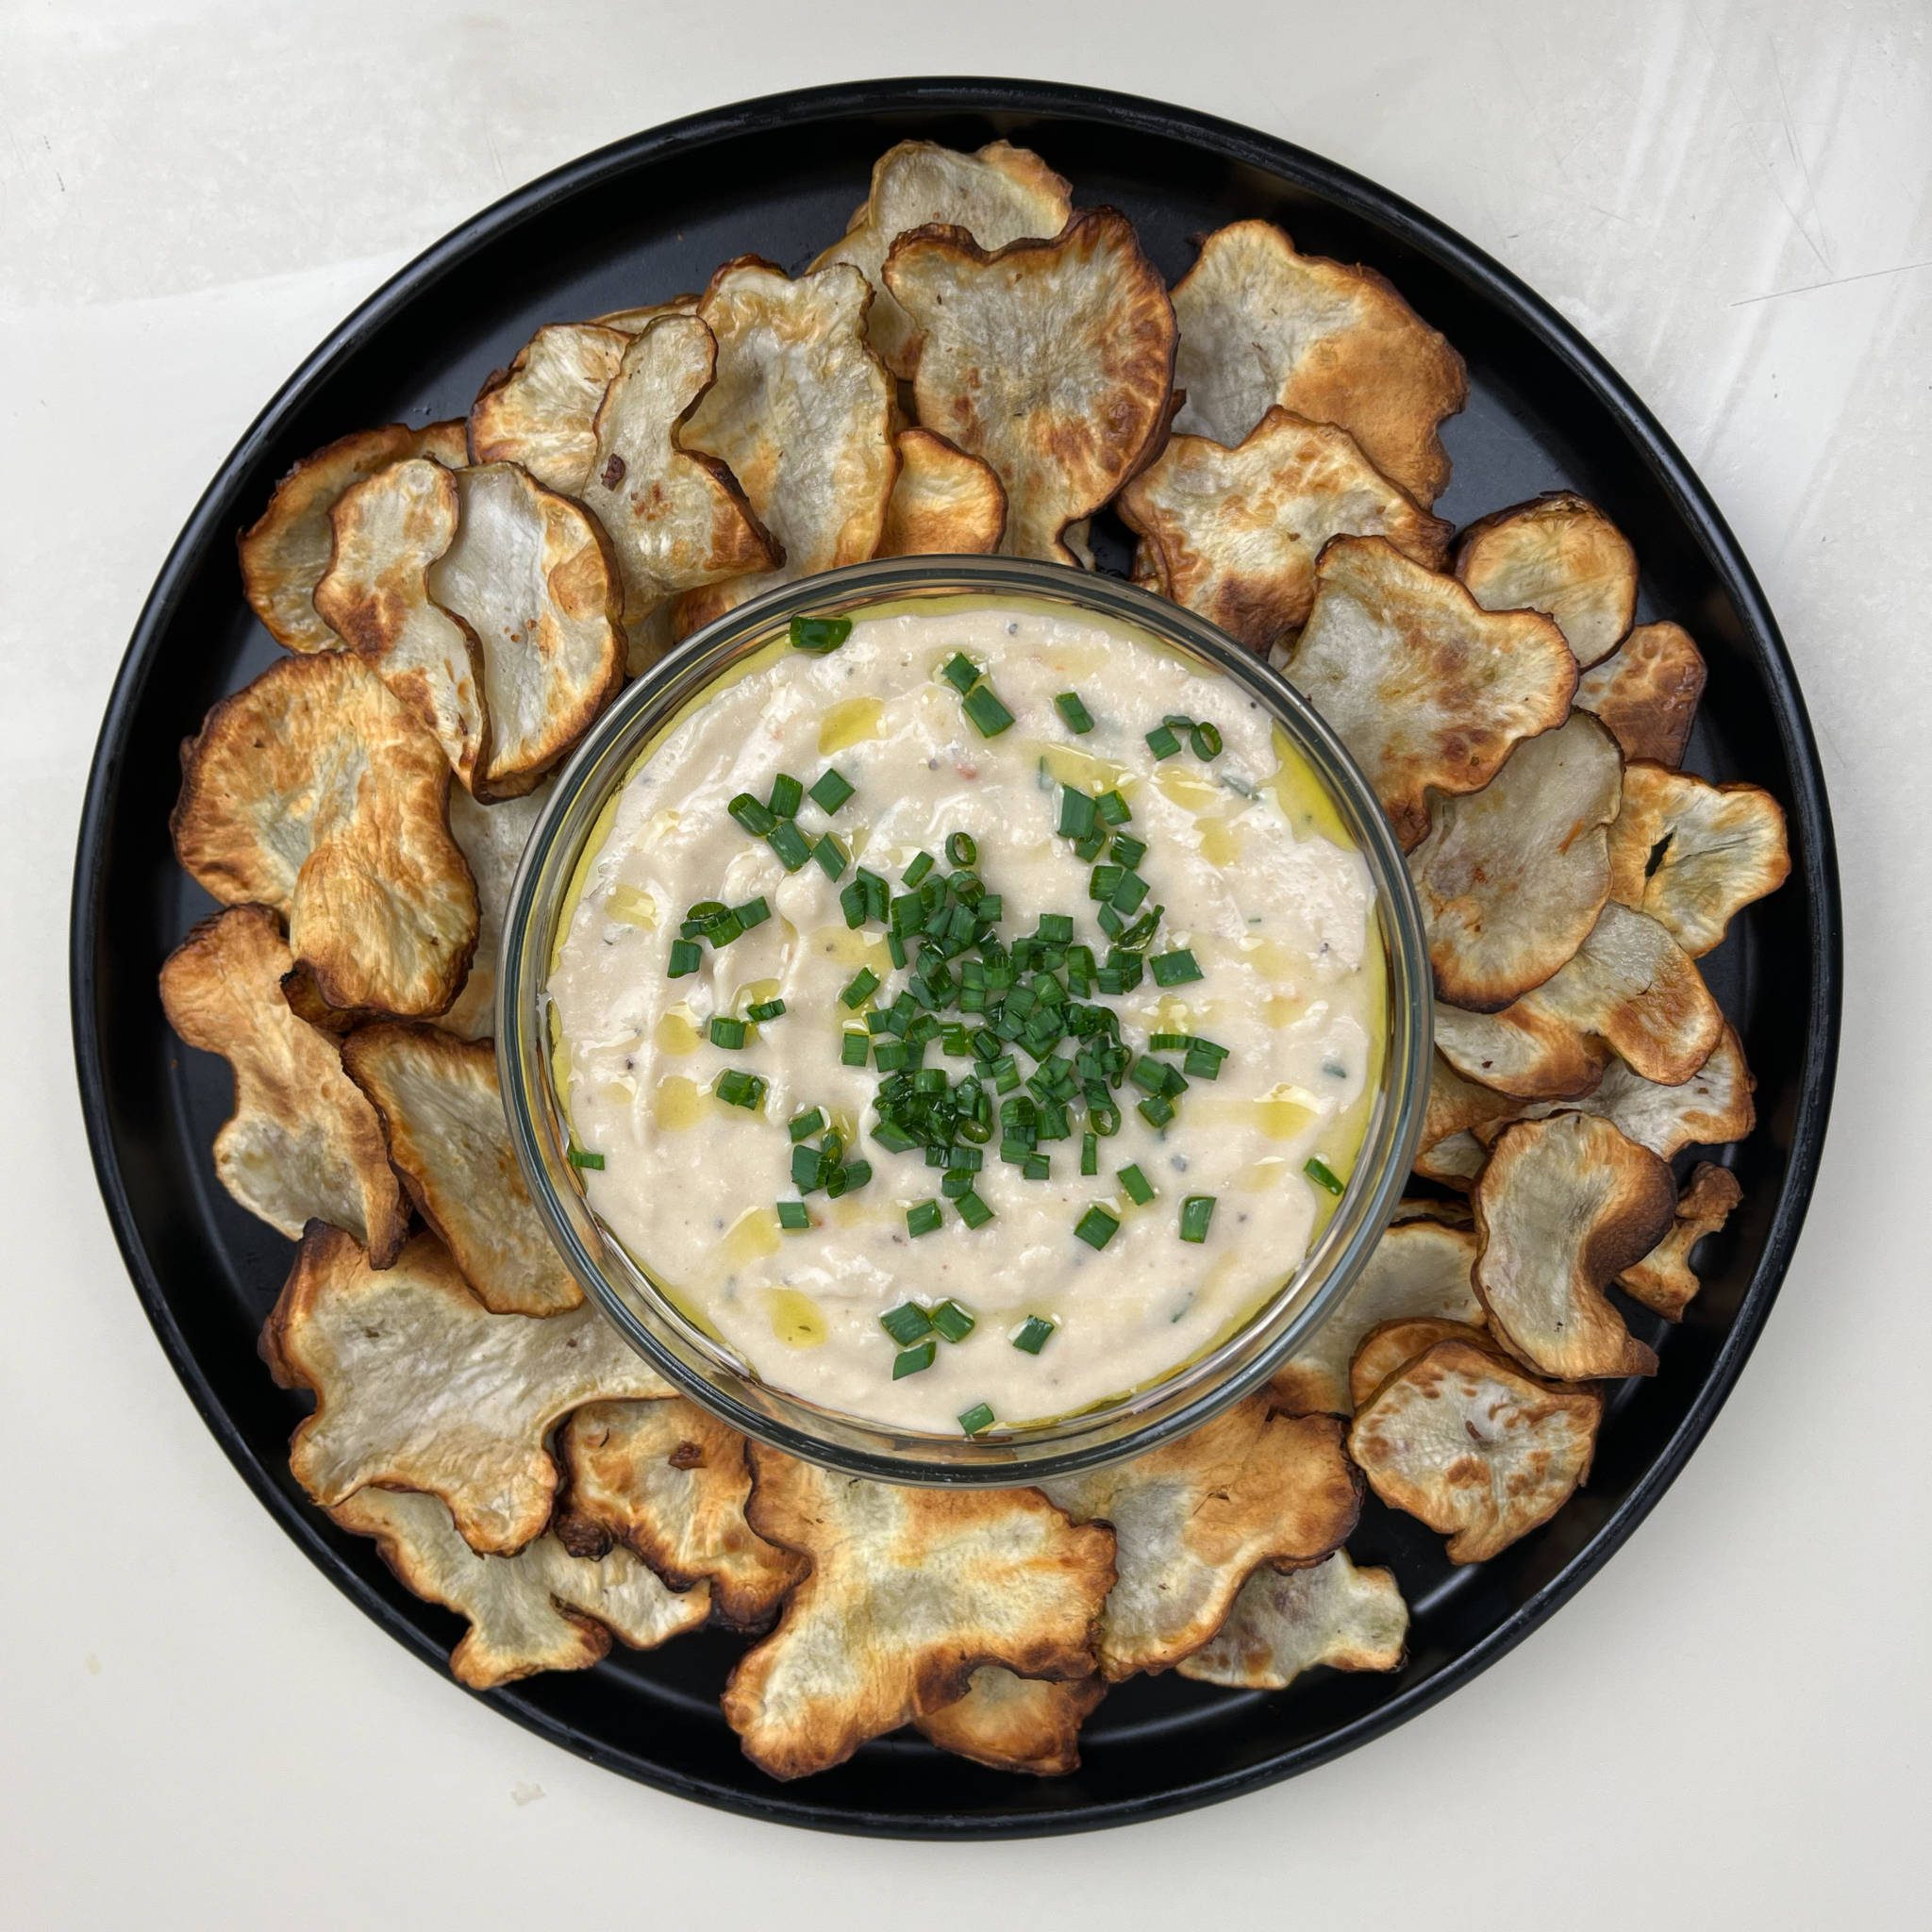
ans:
(572, 823)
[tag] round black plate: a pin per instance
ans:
(644, 220)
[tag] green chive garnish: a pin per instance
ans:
(1078, 813)
(955, 1322)
(923, 1217)
(962, 673)
(1162, 743)
(920, 864)
(788, 842)
(819, 634)
(1074, 714)
(756, 818)
(861, 987)
(961, 850)
(736, 1088)
(830, 789)
(989, 715)
(753, 912)
(1206, 740)
(728, 1034)
(1127, 851)
(761, 1010)
(909, 1362)
(578, 1157)
(1138, 1189)
(803, 1127)
(1090, 1153)
(972, 1210)
(832, 856)
(905, 1324)
(1113, 808)
(1096, 1227)
(1197, 1211)
(854, 1048)
(793, 1217)
(788, 794)
(1322, 1174)
(687, 956)
(1176, 968)
(1033, 1335)
(976, 1419)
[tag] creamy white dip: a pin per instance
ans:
(1243, 850)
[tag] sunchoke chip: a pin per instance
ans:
(1512, 879)
(285, 554)
(491, 839)
(418, 1385)
(1393, 1345)
(542, 1609)
(1016, 1723)
(942, 502)
(302, 1145)
(999, 194)
(541, 411)
(910, 1592)
(1287, 1621)
(1234, 533)
(442, 1114)
(1692, 854)
(1562, 1208)
(1646, 691)
(1195, 1517)
(1631, 991)
(1260, 324)
(1426, 688)
(675, 518)
(1664, 1281)
(1417, 1268)
(670, 1482)
(1559, 555)
(1475, 1448)
(1053, 361)
(316, 791)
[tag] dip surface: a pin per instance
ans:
(1261, 890)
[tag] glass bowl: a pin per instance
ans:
(708, 1371)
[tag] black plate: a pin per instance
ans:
(652, 216)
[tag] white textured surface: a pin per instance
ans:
(1729, 1727)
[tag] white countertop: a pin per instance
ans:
(1729, 1727)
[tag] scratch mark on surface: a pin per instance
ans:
(1821, 247)
(1871, 275)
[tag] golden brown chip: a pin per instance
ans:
(541, 410)
(317, 793)
(1563, 1206)
(945, 502)
(1692, 855)
(302, 1145)
(1453, 1161)
(910, 1592)
(1016, 1723)
(1631, 991)
(491, 839)
(1559, 555)
(1646, 691)
(418, 1385)
(997, 195)
(1287, 1621)
(542, 1609)
(1664, 1281)
(1262, 325)
(1234, 533)
(1512, 879)
(1478, 1450)
(675, 518)
(1426, 688)
(633, 322)
(1444, 1213)
(1391, 1345)
(285, 553)
(1195, 1517)
(442, 1114)
(670, 1482)
(1417, 1268)
(1053, 361)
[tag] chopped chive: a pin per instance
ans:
(579, 1157)
(788, 794)
(687, 956)
(753, 912)
(1090, 1153)
(972, 1210)
(1074, 714)
(791, 1216)
(1056, 929)
(1176, 968)
(803, 1127)
(1078, 813)
(1162, 743)
(1127, 851)
(756, 818)
(832, 856)
(736, 1088)
(1033, 1335)
(1113, 808)
(819, 634)
(787, 842)
(854, 1048)
(726, 1033)
(1322, 1173)
(953, 1322)
(830, 789)
(861, 987)
(909, 1362)
(1197, 1211)
(976, 1419)
(962, 849)
(761, 1010)
(1204, 1060)
(1138, 1189)
(1156, 1109)
(849, 1178)
(989, 715)
(960, 672)
(1206, 740)
(905, 1324)
(923, 1217)
(1036, 1167)
(1096, 1227)
(916, 870)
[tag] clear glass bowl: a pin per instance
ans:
(710, 1373)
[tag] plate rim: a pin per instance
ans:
(1284, 160)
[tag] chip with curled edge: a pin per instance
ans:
(1664, 1280)
(1287, 1621)
(943, 501)
(1559, 555)
(541, 411)
(1016, 1723)
(1646, 691)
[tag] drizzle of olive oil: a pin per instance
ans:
(850, 722)
(1191, 790)
(860, 948)
(632, 905)
(676, 1031)
(753, 1236)
(1220, 843)
(1086, 770)
(1301, 797)
(677, 1103)
(796, 1320)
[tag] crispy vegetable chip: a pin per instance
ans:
(1262, 325)
(1646, 691)
(1478, 1450)
(1417, 1268)
(1563, 1206)
(1559, 555)
(910, 1592)
(1631, 991)
(443, 1117)
(491, 839)
(1513, 878)
(285, 554)
(670, 1482)
(1391, 1345)
(943, 501)
(1692, 854)
(302, 1145)
(1454, 1161)
(542, 1609)
(1426, 688)
(541, 410)
(675, 518)
(1444, 1213)
(633, 322)
(418, 1385)
(1287, 1621)
(1234, 533)
(1016, 1723)
(1195, 1517)
(1664, 1281)
(1053, 361)
(315, 791)
(998, 195)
